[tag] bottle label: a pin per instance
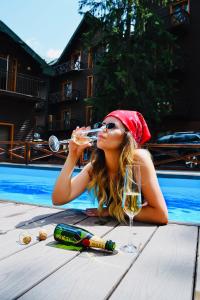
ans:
(69, 239)
(97, 242)
(70, 234)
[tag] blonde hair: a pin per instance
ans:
(109, 191)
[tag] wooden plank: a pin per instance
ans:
(20, 214)
(25, 269)
(92, 274)
(11, 215)
(10, 244)
(165, 268)
(17, 208)
(197, 286)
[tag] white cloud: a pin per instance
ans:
(53, 53)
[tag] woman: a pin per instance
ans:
(117, 145)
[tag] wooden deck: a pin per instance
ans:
(167, 266)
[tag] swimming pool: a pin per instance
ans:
(35, 184)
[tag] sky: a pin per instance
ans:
(45, 25)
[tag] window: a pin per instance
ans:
(67, 90)
(65, 118)
(89, 115)
(97, 54)
(76, 61)
(179, 12)
(184, 4)
(107, 48)
(89, 86)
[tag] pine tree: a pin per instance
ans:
(135, 57)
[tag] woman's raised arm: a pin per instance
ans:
(67, 188)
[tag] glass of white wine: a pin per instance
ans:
(81, 137)
(132, 200)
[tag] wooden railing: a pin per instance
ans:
(29, 152)
(23, 84)
(73, 95)
(165, 156)
(175, 156)
(69, 66)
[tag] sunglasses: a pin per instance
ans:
(107, 126)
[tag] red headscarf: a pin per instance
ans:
(134, 122)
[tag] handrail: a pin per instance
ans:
(155, 145)
(69, 66)
(56, 97)
(23, 84)
(28, 151)
(164, 155)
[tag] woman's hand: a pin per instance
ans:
(75, 150)
(93, 212)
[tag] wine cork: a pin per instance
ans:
(25, 238)
(42, 235)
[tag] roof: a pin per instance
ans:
(5, 29)
(52, 62)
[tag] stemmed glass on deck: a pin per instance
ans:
(131, 202)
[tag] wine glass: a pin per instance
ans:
(80, 138)
(131, 202)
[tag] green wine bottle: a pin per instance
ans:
(70, 235)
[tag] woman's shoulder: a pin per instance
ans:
(142, 155)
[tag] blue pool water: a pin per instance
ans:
(35, 185)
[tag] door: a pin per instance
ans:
(65, 119)
(67, 90)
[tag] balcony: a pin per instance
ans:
(21, 84)
(57, 125)
(176, 16)
(58, 97)
(69, 67)
(180, 18)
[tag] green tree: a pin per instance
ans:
(136, 58)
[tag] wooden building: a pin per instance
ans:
(182, 20)
(187, 109)
(23, 88)
(71, 84)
